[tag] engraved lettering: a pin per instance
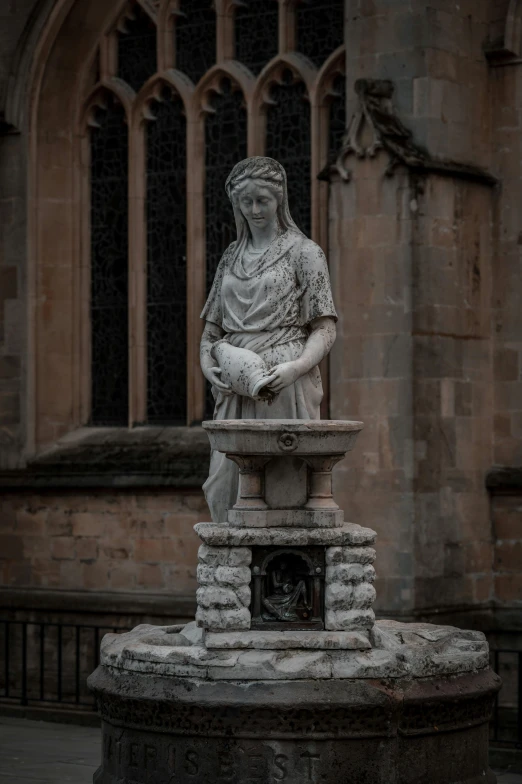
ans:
(226, 766)
(151, 755)
(171, 758)
(134, 749)
(280, 762)
(309, 761)
(191, 763)
(256, 767)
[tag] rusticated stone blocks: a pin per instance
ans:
(224, 593)
(349, 593)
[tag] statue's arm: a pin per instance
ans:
(211, 333)
(319, 343)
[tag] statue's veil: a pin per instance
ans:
(273, 176)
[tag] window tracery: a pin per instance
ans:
(256, 33)
(165, 157)
(320, 26)
(288, 140)
(137, 59)
(195, 34)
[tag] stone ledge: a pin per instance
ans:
(225, 536)
(399, 651)
(99, 457)
(276, 640)
(298, 518)
(47, 600)
(504, 478)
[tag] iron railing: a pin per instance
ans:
(47, 664)
(506, 721)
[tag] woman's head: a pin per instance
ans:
(257, 188)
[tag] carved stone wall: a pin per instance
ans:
(224, 593)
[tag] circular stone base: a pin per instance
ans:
(186, 730)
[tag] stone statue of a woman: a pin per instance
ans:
(271, 295)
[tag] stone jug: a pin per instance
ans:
(243, 370)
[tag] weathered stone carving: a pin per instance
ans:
(269, 317)
(375, 117)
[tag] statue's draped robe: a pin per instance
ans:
(267, 309)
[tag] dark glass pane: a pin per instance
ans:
(109, 267)
(166, 264)
(288, 141)
(320, 28)
(137, 49)
(257, 26)
(195, 38)
(226, 144)
(337, 117)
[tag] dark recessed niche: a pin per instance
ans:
(287, 588)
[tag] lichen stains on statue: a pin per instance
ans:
(271, 298)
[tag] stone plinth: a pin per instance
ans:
(285, 675)
(286, 496)
(414, 707)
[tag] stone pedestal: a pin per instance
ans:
(285, 675)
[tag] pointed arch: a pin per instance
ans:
(328, 125)
(83, 69)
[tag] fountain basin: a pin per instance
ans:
(283, 436)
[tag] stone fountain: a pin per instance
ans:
(285, 675)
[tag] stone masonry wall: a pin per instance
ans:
(507, 531)
(507, 291)
(101, 541)
(13, 244)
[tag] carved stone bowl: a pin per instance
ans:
(283, 436)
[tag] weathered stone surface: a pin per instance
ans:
(300, 518)
(220, 536)
(346, 555)
(213, 619)
(364, 729)
(263, 436)
(363, 596)
(232, 575)
(288, 640)
(210, 596)
(277, 665)
(349, 619)
(338, 596)
(350, 573)
(399, 650)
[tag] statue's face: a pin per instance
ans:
(258, 204)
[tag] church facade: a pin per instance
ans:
(400, 127)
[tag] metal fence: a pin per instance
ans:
(47, 664)
(506, 721)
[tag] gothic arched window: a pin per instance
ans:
(180, 91)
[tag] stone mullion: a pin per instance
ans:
(225, 43)
(287, 37)
(137, 273)
(165, 35)
(108, 56)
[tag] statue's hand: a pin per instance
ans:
(285, 374)
(212, 375)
